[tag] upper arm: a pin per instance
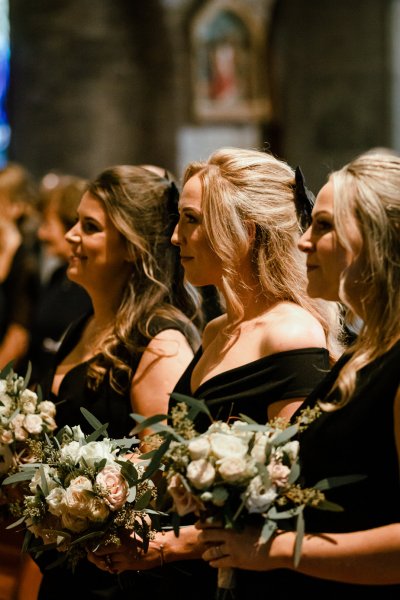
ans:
(162, 364)
(293, 331)
(211, 330)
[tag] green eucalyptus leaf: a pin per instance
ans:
(300, 528)
(7, 369)
(328, 505)
(285, 435)
(267, 531)
(16, 523)
(91, 419)
(247, 419)
(43, 481)
(144, 423)
(20, 476)
(333, 482)
(27, 375)
(144, 500)
(101, 431)
(294, 473)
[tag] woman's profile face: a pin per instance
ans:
(330, 267)
(202, 266)
(98, 258)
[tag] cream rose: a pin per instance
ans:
(33, 424)
(291, 449)
(46, 408)
(28, 402)
(200, 473)
(73, 522)
(6, 437)
(55, 501)
(236, 469)
(97, 510)
(77, 496)
(111, 480)
(227, 446)
(199, 448)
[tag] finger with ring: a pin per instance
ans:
(108, 561)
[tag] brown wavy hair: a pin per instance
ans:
(144, 208)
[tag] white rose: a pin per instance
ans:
(5, 403)
(6, 458)
(28, 402)
(77, 433)
(70, 452)
(17, 421)
(200, 473)
(240, 430)
(33, 424)
(50, 475)
(224, 445)
(94, 452)
(6, 437)
(219, 427)
(47, 408)
(259, 495)
(21, 434)
(199, 448)
(55, 501)
(236, 469)
(291, 449)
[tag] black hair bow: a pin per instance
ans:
(304, 200)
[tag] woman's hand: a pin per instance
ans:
(164, 548)
(227, 548)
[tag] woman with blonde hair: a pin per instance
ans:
(238, 230)
(353, 254)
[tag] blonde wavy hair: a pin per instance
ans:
(242, 187)
(143, 208)
(367, 195)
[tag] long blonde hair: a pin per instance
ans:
(367, 195)
(240, 187)
(144, 208)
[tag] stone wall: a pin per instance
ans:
(99, 82)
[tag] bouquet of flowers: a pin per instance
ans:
(83, 492)
(232, 472)
(24, 419)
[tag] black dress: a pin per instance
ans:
(110, 407)
(356, 439)
(248, 389)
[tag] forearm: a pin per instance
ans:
(184, 547)
(363, 557)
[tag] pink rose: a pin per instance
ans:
(114, 484)
(184, 501)
(279, 473)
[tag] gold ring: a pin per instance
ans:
(108, 561)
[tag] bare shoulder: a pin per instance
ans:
(212, 329)
(291, 327)
(169, 341)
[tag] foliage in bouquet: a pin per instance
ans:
(236, 470)
(84, 491)
(24, 419)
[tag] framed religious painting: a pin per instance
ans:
(228, 62)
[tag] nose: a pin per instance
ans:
(175, 236)
(72, 236)
(305, 243)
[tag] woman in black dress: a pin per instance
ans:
(353, 253)
(128, 352)
(238, 230)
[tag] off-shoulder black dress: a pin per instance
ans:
(110, 407)
(248, 389)
(356, 439)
